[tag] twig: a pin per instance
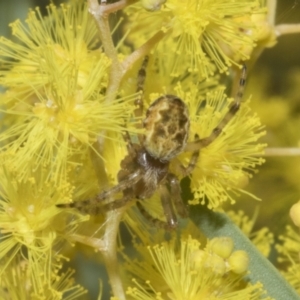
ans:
(282, 152)
(271, 6)
(110, 254)
(284, 29)
(107, 245)
(142, 51)
(89, 241)
(105, 10)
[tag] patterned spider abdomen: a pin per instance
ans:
(167, 127)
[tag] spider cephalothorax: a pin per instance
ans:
(145, 169)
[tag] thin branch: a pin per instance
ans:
(284, 29)
(142, 51)
(282, 152)
(107, 245)
(89, 241)
(110, 50)
(110, 254)
(271, 6)
(102, 22)
(105, 9)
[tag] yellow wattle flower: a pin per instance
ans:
(182, 269)
(30, 222)
(16, 282)
(225, 166)
(55, 102)
(201, 32)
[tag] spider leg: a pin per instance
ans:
(154, 221)
(112, 205)
(168, 207)
(140, 88)
(192, 163)
(176, 195)
(233, 109)
(171, 220)
(138, 112)
(130, 147)
(95, 205)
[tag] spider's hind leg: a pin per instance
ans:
(176, 195)
(171, 220)
(154, 221)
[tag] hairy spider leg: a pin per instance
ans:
(140, 88)
(96, 205)
(139, 103)
(175, 195)
(171, 219)
(233, 109)
(130, 146)
(185, 171)
(138, 112)
(175, 190)
(151, 220)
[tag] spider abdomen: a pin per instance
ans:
(167, 127)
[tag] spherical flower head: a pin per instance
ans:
(224, 166)
(295, 213)
(200, 32)
(16, 281)
(223, 247)
(29, 220)
(45, 46)
(238, 262)
(55, 101)
(168, 271)
(288, 249)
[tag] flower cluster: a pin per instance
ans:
(68, 110)
(183, 270)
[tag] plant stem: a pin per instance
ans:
(89, 241)
(282, 152)
(284, 29)
(105, 9)
(110, 254)
(271, 7)
(116, 73)
(107, 245)
(142, 51)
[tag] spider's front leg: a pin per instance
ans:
(233, 109)
(138, 112)
(139, 103)
(140, 88)
(185, 171)
(96, 205)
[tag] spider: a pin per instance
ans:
(145, 169)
